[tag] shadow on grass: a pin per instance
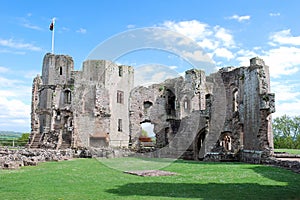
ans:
(289, 189)
(203, 191)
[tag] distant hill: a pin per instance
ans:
(10, 134)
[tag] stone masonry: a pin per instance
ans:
(198, 116)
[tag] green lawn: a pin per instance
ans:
(291, 151)
(91, 179)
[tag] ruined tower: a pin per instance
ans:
(53, 103)
(101, 93)
(80, 108)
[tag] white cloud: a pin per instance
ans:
(31, 26)
(288, 108)
(173, 67)
(282, 60)
(3, 69)
(153, 73)
(193, 29)
(196, 55)
(274, 14)
(18, 45)
(15, 114)
(12, 52)
(244, 56)
(240, 18)
(130, 26)
(27, 24)
(285, 90)
(224, 53)
(82, 31)
(225, 36)
(285, 37)
(209, 38)
(208, 44)
(15, 97)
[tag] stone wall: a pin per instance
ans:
(13, 159)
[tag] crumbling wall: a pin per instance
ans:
(35, 122)
(249, 104)
(171, 106)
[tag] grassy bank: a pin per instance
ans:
(291, 151)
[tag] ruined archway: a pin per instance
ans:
(147, 137)
(226, 141)
(199, 145)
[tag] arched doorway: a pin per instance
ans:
(147, 136)
(199, 145)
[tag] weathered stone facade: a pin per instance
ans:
(198, 116)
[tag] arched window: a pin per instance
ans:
(186, 104)
(67, 96)
(226, 141)
(120, 97)
(235, 100)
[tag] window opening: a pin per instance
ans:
(120, 125)
(120, 97)
(235, 101)
(120, 71)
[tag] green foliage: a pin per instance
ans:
(161, 88)
(22, 141)
(91, 179)
(286, 132)
(7, 139)
(144, 133)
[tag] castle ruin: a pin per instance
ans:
(198, 116)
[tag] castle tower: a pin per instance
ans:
(56, 76)
(53, 96)
(101, 101)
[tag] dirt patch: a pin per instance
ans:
(151, 173)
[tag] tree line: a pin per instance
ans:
(12, 140)
(286, 131)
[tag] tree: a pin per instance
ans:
(286, 132)
(22, 141)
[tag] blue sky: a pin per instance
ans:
(230, 32)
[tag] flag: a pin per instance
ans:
(51, 26)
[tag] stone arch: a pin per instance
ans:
(146, 141)
(226, 141)
(199, 144)
(235, 103)
(67, 96)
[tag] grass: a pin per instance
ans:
(91, 179)
(291, 151)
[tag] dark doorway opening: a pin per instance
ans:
(199, 145)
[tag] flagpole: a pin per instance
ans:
(52, 49)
